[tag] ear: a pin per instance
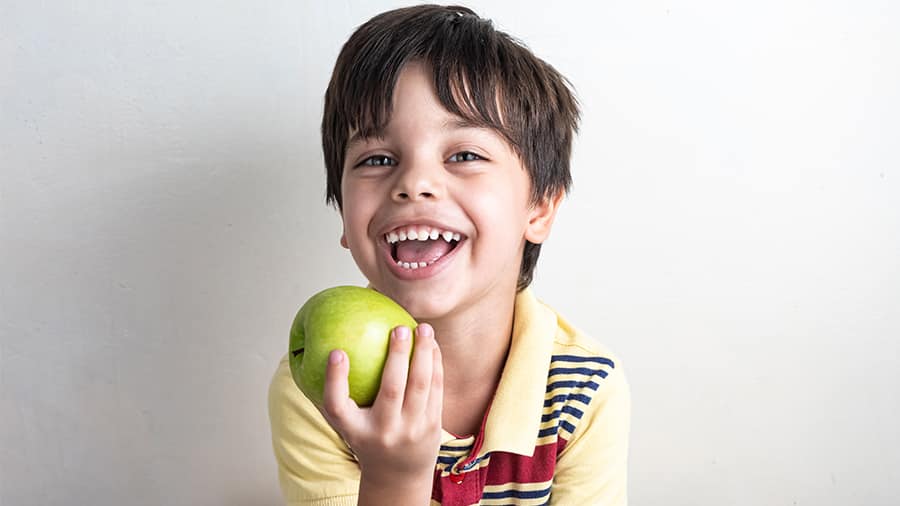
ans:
(344, 240)
(541, 217)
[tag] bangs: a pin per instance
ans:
(466, 70)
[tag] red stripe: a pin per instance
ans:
(512, 468)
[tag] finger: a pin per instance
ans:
(339, 409)
(435, 406)
(393, 378)
(418, 384)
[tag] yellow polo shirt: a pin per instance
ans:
(556, 431)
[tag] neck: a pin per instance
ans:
(474, 344)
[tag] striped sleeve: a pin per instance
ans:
(315, 466)
(591, 469)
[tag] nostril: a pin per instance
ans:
(419, 195)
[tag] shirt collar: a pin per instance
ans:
(515, 413)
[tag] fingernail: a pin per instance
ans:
(401, 333)
(424, 330)
(335, 357)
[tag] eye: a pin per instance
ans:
(378, 161)
(465, 156)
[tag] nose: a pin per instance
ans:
(419, 180)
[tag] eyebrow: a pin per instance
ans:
(455, 123)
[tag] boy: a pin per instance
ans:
(447, 152)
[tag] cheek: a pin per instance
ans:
(354, 223)
(500, 221)
(357, 215)
(500, 206)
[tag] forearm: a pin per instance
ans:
(411, 490)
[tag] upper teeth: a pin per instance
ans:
(420, 233)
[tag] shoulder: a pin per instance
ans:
(572, 344)
(588, 376)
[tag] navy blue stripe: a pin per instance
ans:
(565, 409)
(518, 494)
(454, 460)
(576, 358)
(578, 370)
(568, 426)
(572, 384)
(465, 449)
(549, 431)
(567, 397)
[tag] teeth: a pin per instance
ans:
(412, 265)
(420, 234)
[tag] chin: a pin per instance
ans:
(423, 305)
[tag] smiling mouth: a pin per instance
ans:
(417, 246)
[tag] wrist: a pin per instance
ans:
(379, 487)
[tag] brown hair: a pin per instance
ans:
(480, 74)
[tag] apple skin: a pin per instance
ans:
(355, 319)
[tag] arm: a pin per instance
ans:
(592, 468)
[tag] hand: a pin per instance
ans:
(396, 440)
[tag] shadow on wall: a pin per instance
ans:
(178, 281)
(219, 255)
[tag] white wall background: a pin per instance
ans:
(734, 234)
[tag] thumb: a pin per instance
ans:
(337, 406)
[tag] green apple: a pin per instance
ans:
(355, 319)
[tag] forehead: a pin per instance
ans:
(415, 104)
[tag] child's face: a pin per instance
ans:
(431, 174)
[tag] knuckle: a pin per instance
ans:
(391, 392)
(333, 410)
(419, 384)
(387, 440)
